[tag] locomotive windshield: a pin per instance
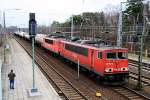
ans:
(116, 55)
(111, 55)
(122, 55)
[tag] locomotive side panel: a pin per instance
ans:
(51, 44)
(75, 53)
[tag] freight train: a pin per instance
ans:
(107, 62)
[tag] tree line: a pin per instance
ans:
(132, 16)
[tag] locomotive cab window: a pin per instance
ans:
(99, 55)
(117, 55)
(111, 55)
(122, 55)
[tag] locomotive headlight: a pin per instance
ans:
(109, 70)
(124, 69)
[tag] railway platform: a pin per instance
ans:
(18, 60)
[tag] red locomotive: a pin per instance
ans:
(110, 63)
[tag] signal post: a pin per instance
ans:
(32, 32)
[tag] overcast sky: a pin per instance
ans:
(49, 10)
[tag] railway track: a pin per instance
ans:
(130, 94)
(134, 71)
(64, 89)
(145, 66)
(145, 80)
